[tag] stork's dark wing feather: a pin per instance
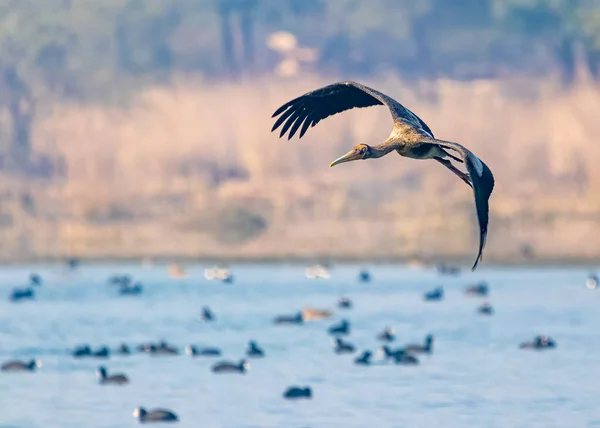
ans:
(309, 109)
(483, 185)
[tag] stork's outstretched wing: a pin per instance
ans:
(312, 107)
(483, 185)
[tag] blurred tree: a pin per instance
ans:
(100, 50)
(143, 31)
(15, 96)
(243, 10)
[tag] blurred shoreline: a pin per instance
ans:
(174, 174)
(464, 263)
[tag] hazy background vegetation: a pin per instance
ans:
(133, 128)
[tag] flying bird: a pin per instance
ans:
(410, 137)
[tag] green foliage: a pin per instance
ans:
(92, 49)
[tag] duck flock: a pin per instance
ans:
(387, 352)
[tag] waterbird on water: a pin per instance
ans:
(426, 348)
(404, 358)
(485, 309)
(387, 335)
(481, 289)
(364, 276)
(345, 303)
(254, 350)
(434, 295)
(364, 359)
(131, 290)
(124, 349)
(116, 379)
(22, 294)
(20, 366)
(342, 328)
(35, 279)
(410, 137)
(207, 314)
(289, 319)
(399, 356)
(163, 349)
(82, 351)
(193, 351)
(342, 347)
(297, 392)
(103, 352)
(388, 352)
(157, 415)
(444, 269)
(228, 367)
(539, 343)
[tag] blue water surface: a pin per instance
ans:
(476, 376)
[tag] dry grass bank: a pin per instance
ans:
(192, 170)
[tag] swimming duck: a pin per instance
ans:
(22, 294)
(202, 352)
(297, 392)
(364, 359)
(20, 366)
(403, 357)
(82, 351)
(289, 319)
(399, 356)
(444, 269)
(435, 294)
(131, 290)
(342, 328)
(103, 352)
(481, 289)
(364, 276)
(124, 349)
(116, 379)
(35, 279)
(389, 353)
(254, 350)
(345, 303)
(143, 347)
(207, 314)
(427, 348)
(485, 309)
(387, 335)
(342, 347)
(228, 367)
(539, 343)
(157, 415)
(162, 349)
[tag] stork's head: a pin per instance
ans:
(359, 152)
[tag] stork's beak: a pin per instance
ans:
(352, 155)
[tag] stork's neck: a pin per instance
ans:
(382, 149)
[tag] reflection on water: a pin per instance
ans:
(475, 377)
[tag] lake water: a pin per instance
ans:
(476, 376)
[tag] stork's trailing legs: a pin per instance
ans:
(464, 177)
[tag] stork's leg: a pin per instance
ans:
(464, 177)
(452, 156)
